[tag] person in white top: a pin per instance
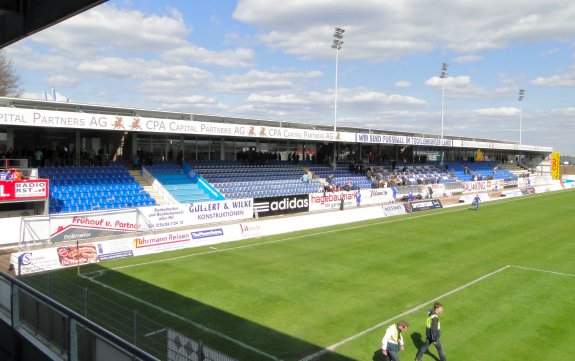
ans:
(392, 341)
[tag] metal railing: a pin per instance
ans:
(50, 308)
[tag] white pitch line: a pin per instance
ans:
(155, 332)
(545, 271)
(411, 310)
(193, 323)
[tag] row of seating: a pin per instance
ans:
(77, 189)
(65, 208)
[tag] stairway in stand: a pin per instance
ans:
(147, 186)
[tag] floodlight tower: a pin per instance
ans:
(337, 43)
(520, 99)
(443, 75)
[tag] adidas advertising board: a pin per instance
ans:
(272, 206)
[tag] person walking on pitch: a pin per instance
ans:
(432, 332)
(476, 201)
(392, 342)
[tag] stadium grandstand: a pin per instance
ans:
(83, 183)
(78, 176)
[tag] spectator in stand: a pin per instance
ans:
(348, 186)
(4, 176)
(15, 175)
(305, 178)
(38, 157)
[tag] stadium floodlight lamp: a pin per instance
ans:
(520, 97)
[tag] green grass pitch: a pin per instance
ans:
(290, 296)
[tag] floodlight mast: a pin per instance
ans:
(520, 97)
(443, 75)
(337, 43)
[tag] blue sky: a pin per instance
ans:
(273, 60)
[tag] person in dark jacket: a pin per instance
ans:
(432, 332)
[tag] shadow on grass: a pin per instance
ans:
(418, 341)
(378, 355)
(159, 308)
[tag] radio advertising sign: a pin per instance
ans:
(24, 190)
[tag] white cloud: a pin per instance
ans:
(468, 58)
(402, 84)
(563, 80)
(380, 30)
(241, 57)
(197, 103)
(496, 112)
(257, 80)
(461, 81)
(107, 28)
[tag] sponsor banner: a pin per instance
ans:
(422, 205)
(76, 120)
(67, 256)
(53, 258)
(331, 200)
(393, 209)
(376, 196)
(474, 186)
(534, 181)
(80, 226)
(250, 230)
(496, 184)
(155, 243)
(508, 146)
(555, 165)
(35, 261)
(510, 183)
(24, 190)
(272, 206)
(77, 255)
(193, 214)
(218, 211)
(511, 193)
(528, 190)
(401, 139)
(115, 249)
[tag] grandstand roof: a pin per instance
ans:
(41, 105)
(21, 18)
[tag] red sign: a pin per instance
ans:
(24, 190)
